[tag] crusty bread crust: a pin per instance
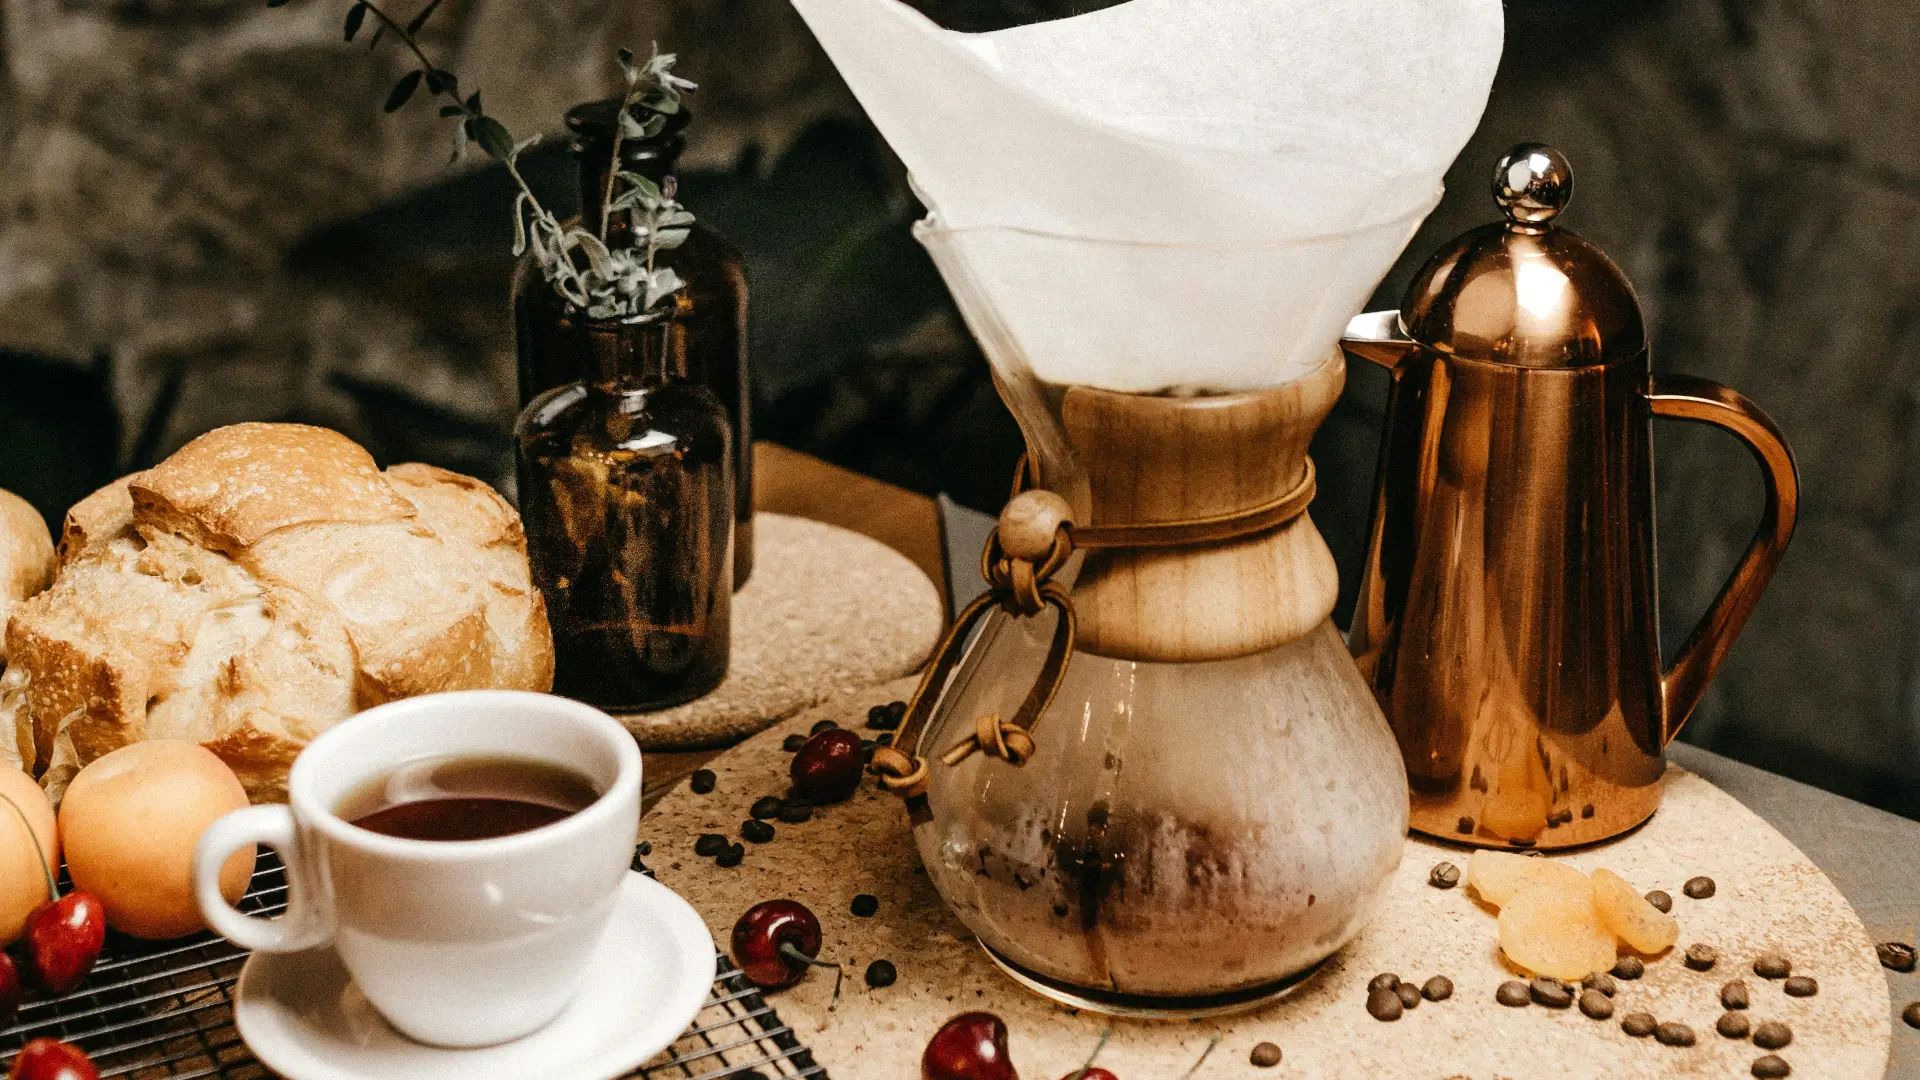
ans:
(26, 557)
(234, 486)
(96, 521)
(258, 587)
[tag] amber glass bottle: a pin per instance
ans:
(716, 325)
(626, 489)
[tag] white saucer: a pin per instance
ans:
(303, 1017)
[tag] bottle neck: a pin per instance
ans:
(653, 160)
(634, 355)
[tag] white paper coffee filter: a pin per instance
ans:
(1217, 133)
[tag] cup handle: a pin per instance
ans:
(301, 927)
(1683, 397)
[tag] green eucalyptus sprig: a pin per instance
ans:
(592, 277)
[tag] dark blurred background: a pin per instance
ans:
(205, 218)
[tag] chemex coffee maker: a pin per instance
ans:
(1507, 616)
(1146, 770)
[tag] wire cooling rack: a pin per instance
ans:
(165, 1010)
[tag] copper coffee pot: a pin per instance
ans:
(1508, 614)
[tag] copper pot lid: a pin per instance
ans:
(1523, 291)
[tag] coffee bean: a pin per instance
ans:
(1384, 1004)
(1629, 968)
(1673, 1033)
(1602, 982)
(1465, 826)
(644, 848)
(881, 973)
(793, 742)
(1772, 966)
(865, 905)
(1800, 986)
(1911, 1014)
(1444, 876)
(1596, 1004)
(1771, 1035)
(709, 843)
(1639, 1024)
(1513, 994)
(1438, 988)
(1734, 995)
(1699, 888)
(1771, 1067)
(823, 725)
(881, 718)
(1265, 1056)
(766, 806)
(885, 738)
(1660, 899)
(1896, 955)
(896, 711)
(1386, 980)
(702, 781)
(1409, 995)
(1550, 992)
(756, 830)
(1733, 1025)
(795, 811)
(1701, 956)
(730, 857)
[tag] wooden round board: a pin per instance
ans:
(1769, 898)
(826, 612)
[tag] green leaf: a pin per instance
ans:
(275, 3)
(473, 103)
(379, 32)
(420, 20)
(442, 82)
(403, 90)
(654, 125)
(492, 136)
(668, 239)
(452, 110)
(356, 15)
(624, 57)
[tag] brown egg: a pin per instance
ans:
(130, 821)
(23, 881)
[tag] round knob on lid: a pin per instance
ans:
(1533, 183)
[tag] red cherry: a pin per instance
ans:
(1095, 1073)
(9, 988)
(51, 1059)
(827, 768)
(971, 1046)
(64, 940)
(775, 942)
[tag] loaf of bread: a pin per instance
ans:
(257, 587)
(26, 556)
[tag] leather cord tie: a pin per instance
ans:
(1036, 526)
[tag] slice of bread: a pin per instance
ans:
(96, 521)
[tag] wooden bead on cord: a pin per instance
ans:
(1029, 522)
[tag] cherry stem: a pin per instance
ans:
(40, 853)
(1211, 1043)
(792, 952)
(1087, 1066)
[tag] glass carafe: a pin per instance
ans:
(1214, 803)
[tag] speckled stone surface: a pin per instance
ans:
(827, 612)
(1769, 898)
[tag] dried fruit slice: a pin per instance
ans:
(1499, 875)
(1631, 918)
(1552, 930)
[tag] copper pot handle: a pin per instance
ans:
(1683, 397)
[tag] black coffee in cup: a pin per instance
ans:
(467, 797)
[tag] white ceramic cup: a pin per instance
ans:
(457, 943)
